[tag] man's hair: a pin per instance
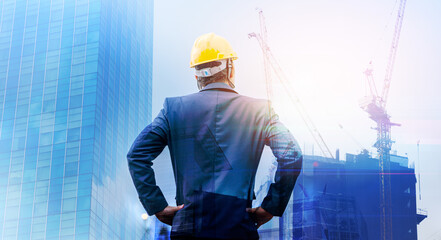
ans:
(218, 77)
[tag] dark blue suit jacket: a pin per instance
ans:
(216, 138)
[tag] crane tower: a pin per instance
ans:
(375, 106)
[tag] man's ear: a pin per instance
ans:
(232, 71)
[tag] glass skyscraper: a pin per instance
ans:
(75, 90)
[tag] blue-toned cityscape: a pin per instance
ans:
(80, 79)
(75, 90)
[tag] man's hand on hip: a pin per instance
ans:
(259, 215)
(166, 215)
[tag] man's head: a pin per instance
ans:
(218, 71)
(212, 57)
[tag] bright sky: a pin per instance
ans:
(323, 47)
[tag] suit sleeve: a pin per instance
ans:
(289, 164)
(147, 146)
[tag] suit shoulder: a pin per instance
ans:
(179, 98)
(255, 100)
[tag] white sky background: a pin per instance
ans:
(324, 47)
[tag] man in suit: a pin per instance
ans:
(216, 138)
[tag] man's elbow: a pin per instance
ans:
(130, 156)
(298, 156)
(293, 160)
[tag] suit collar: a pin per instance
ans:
(218, 86)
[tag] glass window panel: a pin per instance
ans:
(40, 209)
(83, 203)
(87, 132)
(69, 204)
(46, 139)
(26, 210)
(76, 101)
(29, 175)
(71, 169)
(43, 173)
(62, 102)
(77, 70)
(54, 206)
(49, 106)
(59, 136)
(70, 194)
(57, 171)
(89, 99)
(86, 166)
(73, 134)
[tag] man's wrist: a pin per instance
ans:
(266, 211)
(266, 205)
(160, 211)
(153, 208)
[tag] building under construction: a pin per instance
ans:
(360, 198)
(336, 199)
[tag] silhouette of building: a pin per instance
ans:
(339, 200)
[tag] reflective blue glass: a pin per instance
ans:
(72, 78)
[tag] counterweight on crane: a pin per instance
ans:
(375, 106)
(270, 62)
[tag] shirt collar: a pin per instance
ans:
(218, 86)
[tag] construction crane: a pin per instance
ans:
(375, 106)
(270, 62)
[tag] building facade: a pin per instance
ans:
(75, 90)
(340, 200)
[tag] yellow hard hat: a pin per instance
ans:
(210, 47)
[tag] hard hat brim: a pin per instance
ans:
(199, 63)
